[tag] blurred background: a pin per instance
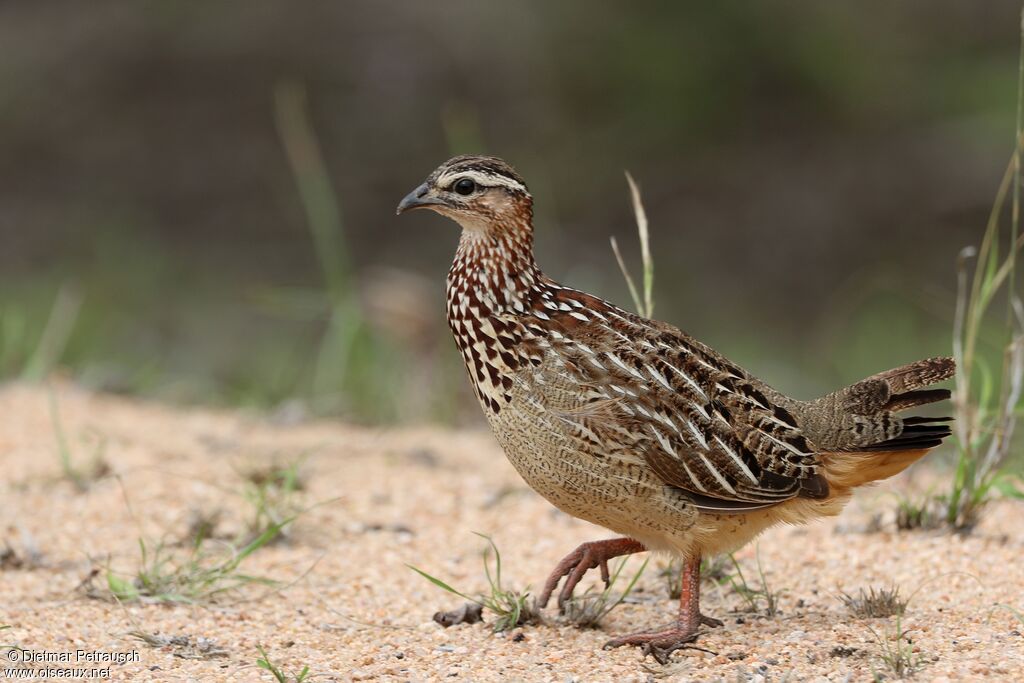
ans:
(197, 199)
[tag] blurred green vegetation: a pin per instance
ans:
(196, 200)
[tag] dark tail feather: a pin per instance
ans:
(918, 432)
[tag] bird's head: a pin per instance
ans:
(482, 194)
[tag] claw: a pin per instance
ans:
(711, 621)
(658, 644)
(605, 576)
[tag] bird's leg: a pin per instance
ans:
(588, 556)
(663, 643)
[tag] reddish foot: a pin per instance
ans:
(588, 556)
(658, 644)
(661, 644)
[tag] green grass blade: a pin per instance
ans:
(645, 246)
(441, 584)
(638, 304)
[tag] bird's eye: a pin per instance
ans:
(464, 186)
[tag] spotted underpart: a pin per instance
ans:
(629, 422)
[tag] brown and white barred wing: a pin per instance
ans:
(698, 421)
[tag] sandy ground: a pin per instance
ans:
(356, 612)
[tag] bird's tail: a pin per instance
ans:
(866, 438)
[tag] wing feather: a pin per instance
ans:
(701, 423)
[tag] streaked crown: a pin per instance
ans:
(483, 171)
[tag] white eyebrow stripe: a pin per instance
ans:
(481, 178)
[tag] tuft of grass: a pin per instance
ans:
(587, 610)
(988, 394)
(97, 466)
(761, 599)
(875, 603)
(644, 305)
(200, 576)
(279, 675)
(274, 497)
(511, 608)
(896, 652)
(918, 513)
(202, 526)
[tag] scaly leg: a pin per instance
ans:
(663, 643)
(588, 556)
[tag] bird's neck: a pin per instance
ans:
(494, 271)
(492, 279)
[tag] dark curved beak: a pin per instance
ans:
(417, 199)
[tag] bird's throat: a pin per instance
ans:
(494, 271)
